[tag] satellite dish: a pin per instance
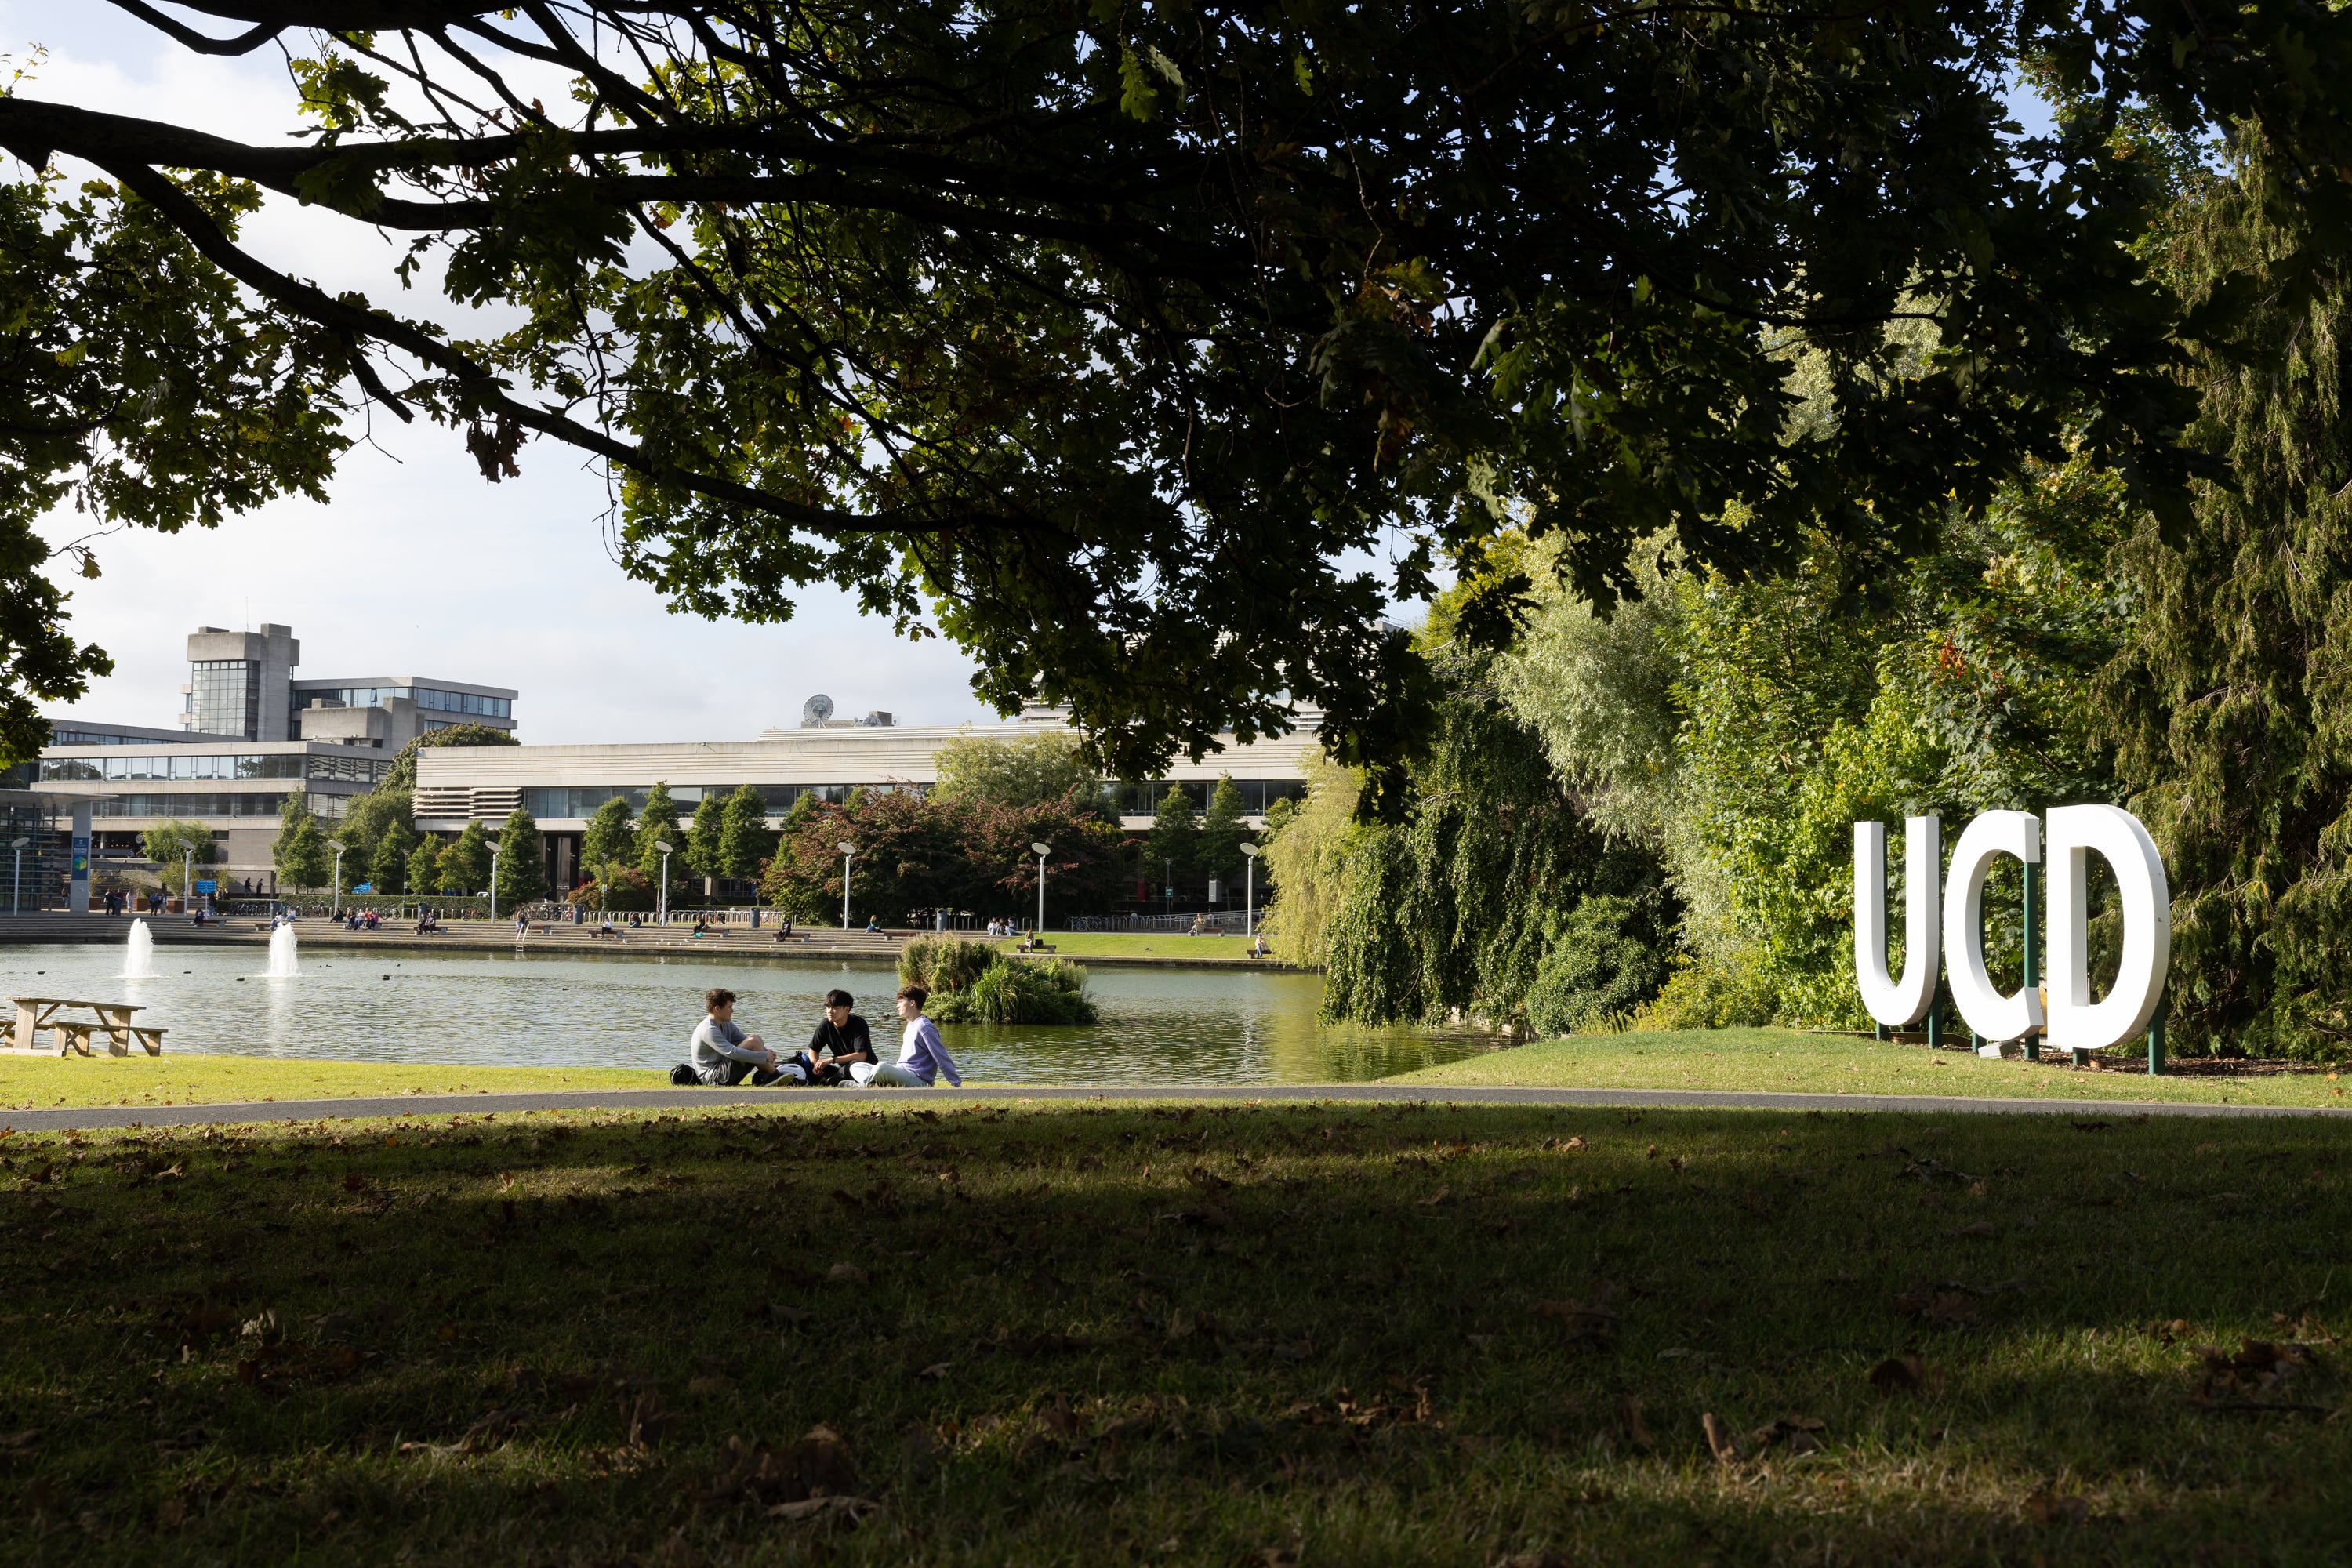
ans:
(816, 710)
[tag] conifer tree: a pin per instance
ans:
(705, 849)
(464, 866)
(610, 842)
(658, 825)
(425, 866)
(1223, 832)
(2234, 733)
(745, 841)
(523, 860)
(387, 867)
(1171, 846)
(300, 855)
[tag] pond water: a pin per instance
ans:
(1158, 1025)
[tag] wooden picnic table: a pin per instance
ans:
(36, 1013)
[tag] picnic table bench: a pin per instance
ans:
(72, 1034)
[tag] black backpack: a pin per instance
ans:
(683, 1076)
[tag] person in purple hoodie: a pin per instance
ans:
(922, 1060)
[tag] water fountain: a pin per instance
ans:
(139, 955)
(281, 955)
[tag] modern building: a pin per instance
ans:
(561, 786)
(251, 732)
(234, 788)
(243, 684)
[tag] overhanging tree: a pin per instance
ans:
(1111, 335)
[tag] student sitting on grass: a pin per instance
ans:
(724, 1055)
(842, 1042)
(921, 1056)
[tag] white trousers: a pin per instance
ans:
(889, 1075)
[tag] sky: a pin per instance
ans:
(415, 565)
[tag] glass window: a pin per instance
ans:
(226, 698)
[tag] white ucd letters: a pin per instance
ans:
(1897, 1004)
(2073, 1022)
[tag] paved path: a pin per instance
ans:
(1377, 1093)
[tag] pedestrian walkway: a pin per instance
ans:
(1228, 1094)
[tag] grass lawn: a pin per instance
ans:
(1791, 1061)
(1082, 945)
(41, 1080)
(1223, 1336)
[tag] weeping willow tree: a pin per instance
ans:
(1494, 897)
(2234, 703)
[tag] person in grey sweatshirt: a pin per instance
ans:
(724, 1055)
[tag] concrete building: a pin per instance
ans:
(243, 684)
(561, 786)
(251, 732)
(234, 787)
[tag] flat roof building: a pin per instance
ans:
(243, 684)
(561, 786)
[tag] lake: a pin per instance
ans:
(1158, 1025)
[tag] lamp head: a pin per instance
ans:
(847, 848)
(336, 845)
(18, 843)
(1250, 850)
(662, 844)
(1041, 848)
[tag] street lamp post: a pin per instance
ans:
(187, 878)
(337, 845)
(1249, 883)
(662, 917)
(494, 876)
(1168, 865)
(17, 890)
(848, 854)
(1041, 851)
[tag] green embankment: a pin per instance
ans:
(1139, 944)
(1279, 1334)
(1790, 1060)
(33, 1082)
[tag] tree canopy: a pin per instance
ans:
(1111, 340)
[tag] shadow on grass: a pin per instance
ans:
(1452, 1334)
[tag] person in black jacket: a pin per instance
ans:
(840, 1039)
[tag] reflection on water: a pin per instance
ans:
(1158, 1025)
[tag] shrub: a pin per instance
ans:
(975, 983)
(1020, 991)
(1605, 960)
(944, 962)
(1728, 991)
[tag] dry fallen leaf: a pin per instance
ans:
(1436, 1198)
(1629, 1416)
(2045, 1507)
(1718, 1439)
(848, 1273)
(1979, 1229)
(1906, 1375)
(847, 1511)
(1940, 1308)
(936, 1370)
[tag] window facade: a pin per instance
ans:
(259, 804)
(228, 697)
(260, 765)
(423, 696)
(1143, 799)
(462, 702)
